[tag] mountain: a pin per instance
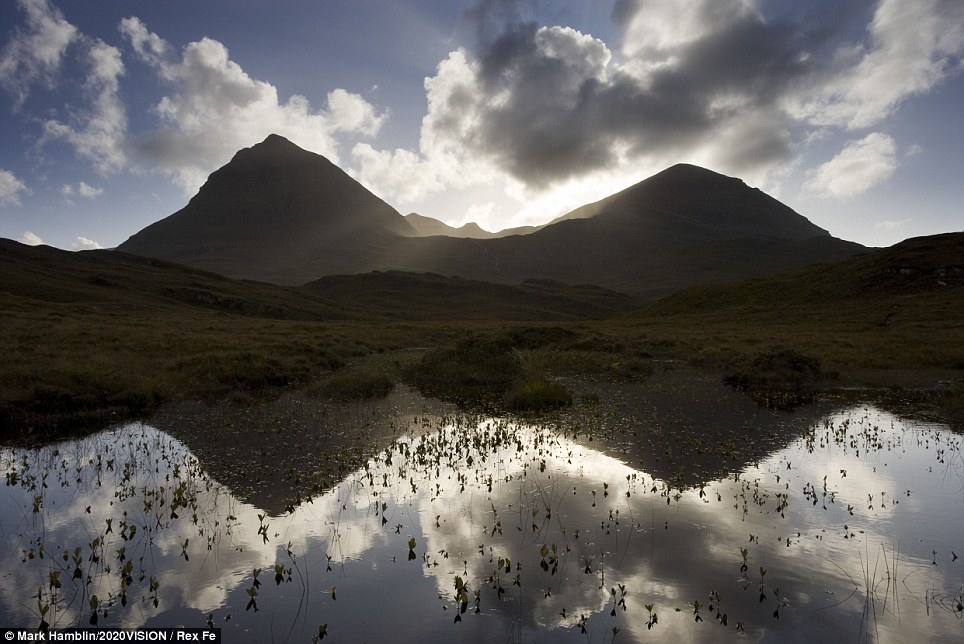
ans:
(681, 227)
(427, 227)
(281, 214)
(701, 205)
(273, 212)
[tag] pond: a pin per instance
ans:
(844, 522)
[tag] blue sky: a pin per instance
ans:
(503, 112)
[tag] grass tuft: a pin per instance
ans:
(358, 385)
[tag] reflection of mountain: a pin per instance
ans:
(281, 214)
(682, 422)
(279, 453)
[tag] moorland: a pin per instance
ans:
(99, 336)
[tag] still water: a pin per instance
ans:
(445, 527)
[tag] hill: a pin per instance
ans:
(428, 296)
(898, 308)
(281, 214)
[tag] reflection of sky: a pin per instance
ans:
(525, 487)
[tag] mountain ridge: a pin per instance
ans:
(281, 214)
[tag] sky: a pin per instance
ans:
(502, 112)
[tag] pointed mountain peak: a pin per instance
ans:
(276, 139)
(274, 149)
(686, 174)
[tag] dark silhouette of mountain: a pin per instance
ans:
(681, 227)
(427, 227)
(278, 213)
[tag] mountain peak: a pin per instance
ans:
(276, 139)
(274, 200)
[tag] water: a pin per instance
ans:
(453, 528)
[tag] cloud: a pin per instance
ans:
(912, 47)
(857, 168)
(82, 243)
(10, 188)
(888, 224)
(30, 239)
(214, 108)
(35, 52)
(82, 189)
(99, 133)
(712, 82)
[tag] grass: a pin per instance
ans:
(88, 339)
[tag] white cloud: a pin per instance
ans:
(30, 239)
(82, 189)
(216, 108)
(913, 47)
(10, 188)
(888, 224)
(34, 53)
(857, 168)
(82, 243)
(98, 133)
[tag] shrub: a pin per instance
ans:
(538, 395)
(474, 365)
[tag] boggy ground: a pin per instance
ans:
(65, 372)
